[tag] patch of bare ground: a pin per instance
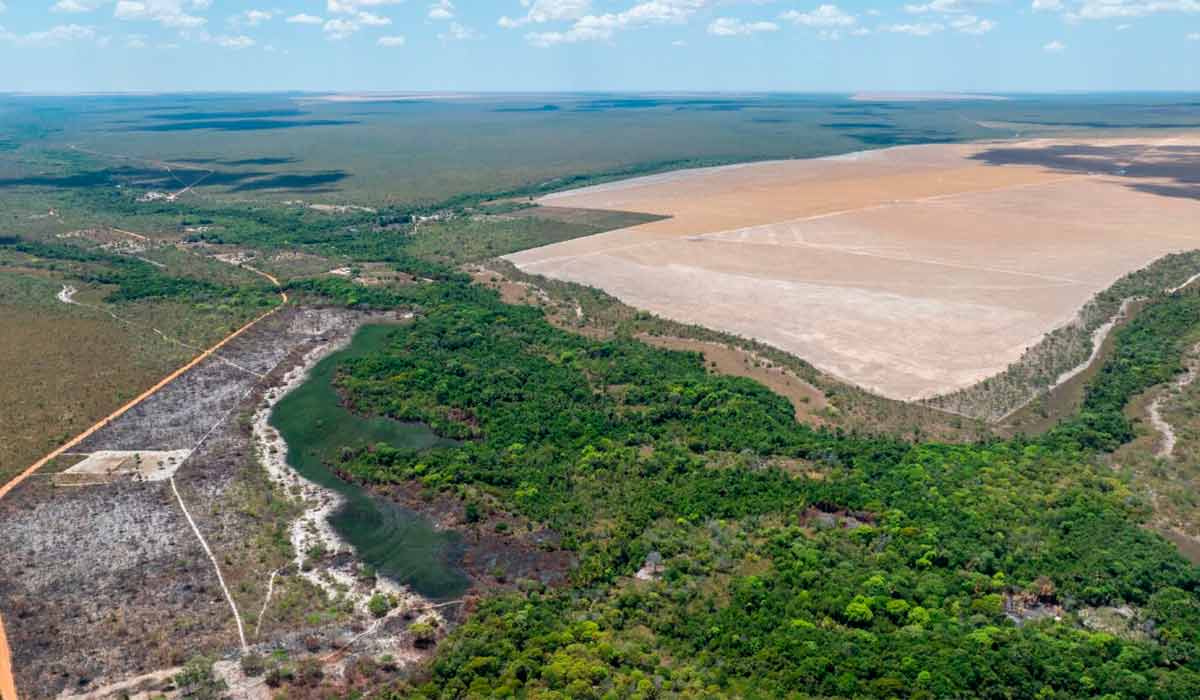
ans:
(289, 264)
(372, 274)
(809, 402)
(912, 271)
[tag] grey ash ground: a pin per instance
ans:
(108, 581)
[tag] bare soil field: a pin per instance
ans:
(104, 466)
(910, 271)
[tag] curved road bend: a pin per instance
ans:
(8, 686)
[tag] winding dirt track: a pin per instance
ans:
(8, 686)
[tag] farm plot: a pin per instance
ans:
(911, 271)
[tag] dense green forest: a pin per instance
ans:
(795, 562)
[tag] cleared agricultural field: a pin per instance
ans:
(912, 271)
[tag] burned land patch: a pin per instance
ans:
(107, 581)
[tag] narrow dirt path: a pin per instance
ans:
(1167, 447)
(266, 601)
(8, 688)
(216, 567)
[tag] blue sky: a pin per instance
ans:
(548, 45)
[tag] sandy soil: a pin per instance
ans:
(104, 465)
(911, 271)
(335, 577)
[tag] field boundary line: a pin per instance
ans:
(216, 567)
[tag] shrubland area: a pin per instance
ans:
(722, 548)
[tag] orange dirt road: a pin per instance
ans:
(8, 686)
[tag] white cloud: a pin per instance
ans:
(825, 16)
(1194, 36)
(602, 27)
(728, 26)
(954, 14)
(352, 7)
(55, 36)
(679, 43)
(573, 35)
(442, 9)
(1055, 46)
(304, 19)
(369, 20)
(944, 7)
(391, 41)
(918, 29)
(240, 41)
(250, 18)
(338, 29)
(1110, 9)
(168, 13)
(135, 41)
(970, 24)
(459, 32)
(74, 6)
(542, 11)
